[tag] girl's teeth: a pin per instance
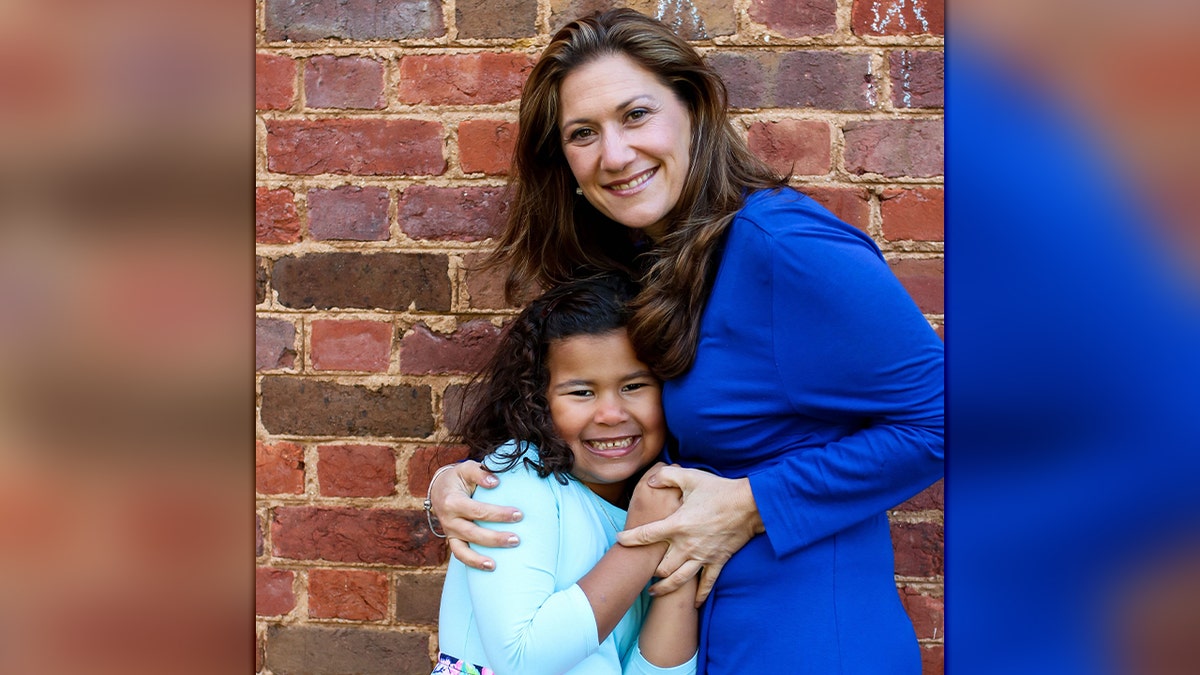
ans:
(610, 445)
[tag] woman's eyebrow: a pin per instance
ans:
(619, 107)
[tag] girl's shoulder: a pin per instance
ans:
(512, 462)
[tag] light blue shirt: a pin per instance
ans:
(529, 615)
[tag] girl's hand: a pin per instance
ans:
(649, 504)
(450, 496)
(718, 516)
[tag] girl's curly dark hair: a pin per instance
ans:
(507, 399)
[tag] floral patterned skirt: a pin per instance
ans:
(448, 665)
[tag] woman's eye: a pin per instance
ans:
(581, 134)
(637, 114)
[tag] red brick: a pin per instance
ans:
(353, 20)
(486, 146)
(459, 79)
(466, 350)
(917, 214)
(274, 344)
(275, 217)
(418, 597)
(321, 650)
(341, 534)
(895, 147)
(933, 660)
(308, 407)
(426, 460)
(273, 594)
(796, 19)
(918, 548)
(351, 345)
(456, 214)
(918, 78)
(365, 147)
(357, 595)
(925, 280)
(926, 612)
(851, 204)
(932, 498)
(356, 470)
(495, 18)
(825, 80)
(278, 468)
(795, 147)
(363, 281)
(274, 81)
(343, 82)
(349, 213)
(898, 17)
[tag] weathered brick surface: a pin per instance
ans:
(926, 611)
(274, 344)
(918, 548)
(800, 79)
(425, 461)
(307, 407)
(917, 214)
(931, 498)
(485, 285)
(495, 18)
(466, 350)
(355, 345)
(925, 279)
(851, 204)
(692, 20)
(278, 468)
(310, 20)
(390, 281)
(417, 598)
(348, 213)
(898, 17)
(260, 280)
(274, 81)
(343, 82)
(793, 147)
(365, 147)
(450, 79)
(933, 659)
(357, 595)
(273, 593)
(918, 78)
(793, 19)
(895, 147)
(275, 218)
(486, 146)
(457, 214)
(356, 470)
(318, 650)
(349, 535)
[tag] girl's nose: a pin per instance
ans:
(611, 411)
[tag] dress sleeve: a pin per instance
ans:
(636, 664)
(868, 361)
(525, 625)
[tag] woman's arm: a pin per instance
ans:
(450, 498)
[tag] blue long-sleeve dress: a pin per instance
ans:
(816, 376)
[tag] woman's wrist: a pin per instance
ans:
(428, 503)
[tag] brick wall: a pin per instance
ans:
(383, 129)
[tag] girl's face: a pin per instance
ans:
(627, 139)
(607, 407)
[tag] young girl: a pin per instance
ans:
(574, 417)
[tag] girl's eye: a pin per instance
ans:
(634, 386)
(579, 392)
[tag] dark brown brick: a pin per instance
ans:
(817, 79)
(795, 19)
(466, 350)
(458, 214)
(918, 78)
(356, 470)
(918, 548)
(495, 18)
(260, 280)
(309, 20)
(418, 596)
(308, 407)
(364, 281)
(363, 147)
(486, 285)
(341, 534)
(895, 147)
(357, 595)
(343, 82)
(317, 650)
(274, 344)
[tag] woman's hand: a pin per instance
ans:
(718, 516)
(450, 496)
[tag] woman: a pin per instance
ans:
(802, 384)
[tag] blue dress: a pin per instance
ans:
(818, 378)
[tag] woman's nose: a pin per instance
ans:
(615, 152)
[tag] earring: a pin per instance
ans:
(578, 190)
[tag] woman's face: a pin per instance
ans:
(627, 138)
